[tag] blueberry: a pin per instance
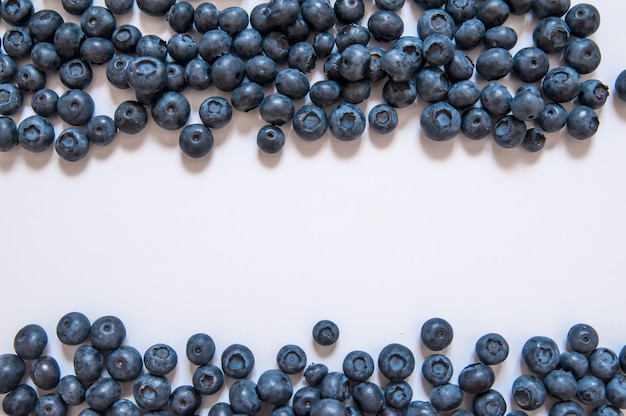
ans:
(325, 332)
(215, 112)
(385, 25)
(30, 342)
(493, 12)
(314, 373)
(88, 364)
(292, 83)
(476, 123)
(200, 349)
(76, 7)
(354, 62)
(519, 7)
(346, 122)
(383, 119)
(355, 92)
(21, 401)
(437, 369)
(528, 103)
(283, 12)
(291, 359)
(248, 43)
(107, 333)
(530, 64)
(50, 405)
(185, 400)
(616, 391)
(328, 407)
(500, 37)
(620, 85)
(463, 94)
(310, 122)
(276, 45)
(261, 69)
(490, 403)
(435, 21)
(244, 398)
(560, 384)
(551, 35)
(496, 98)
(123, 407)
(147, 74)
(436, 333)
(432, 84)
(583, 20)
(160, 359)
(152, 45)
(552, 118)
(461, 10)
(412, 47)
(351, 34)
(221, 409)
(151, 392)
(398, 394)
(103, 393)
(324, 93)
(12, 370)
(582, 122)
(397, 65)
(35, 133)
(593, 94)
(534, 140)
(323, 44)
(319, 14)
(8, 68)
(101, 130)
(583, 55)
(67, 39)
(45, 57)
(16, 13)
(76, 73)
(72, 144)
(603, 363)
(606, 410)
(155, 7)
(119, 6)
(348, 11)
(124, 363)
(335, 385)
(205, 17)
(574, 362)
(276, 109)
(566, 408)
(44, 102)
(8, 134)
(207, 379)
(71, 390)
(420, 408)
(233, 19)
(182, 48)
(304, 399)
(97, 21)
(197, 74)
(130, 117)
(237, 361)
(470, 34)
(274, 387)
(509, 132)
(180, 17)
(494, 63)
(528, 392)
(438, 49)
(270, 139)
(368, 397)
(126, 37)
(491, 349)
(171, 111)
(545, 8)
(460, 67)
(590, 390)
(476, 378)
(17, 42)
(540, 353)
(29, 78)
(358, 365)
(446, 397)
(227, 72)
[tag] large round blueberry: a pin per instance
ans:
(310, 122)
(270, 139)
(562, 84)
(383, 119)
(551, 35)
(314, 373)
(593, 93)
(20, 401)
(171, 111)
(446, 397)
(185, 400)
(399, 94)
(50, 404)
(492, 348)
(583, 20)
(583, 55)
(509, 132)
(398, 394)
(237, 361)
(368, 397)
(396, 362)
(582, 122)
(561, 384)
(291, 359)
(11, 99)
(30, 341)
(439, 121)
(530, 64)
(574, 362)
(160, 359)
(358, 365)
(528, 392)
(12, 369)
(244, 398)
(274, 387)
(151, 392)
(552, 118)
(476, 123)
(35, 133)
(567, 408)
(215, 112)
(490, 403)
(347, 122)
(130, 117)
(72, 144)
(437, 369)
(227, 72)
(335, 385)
(476, 378)
(8, 134)
(494, 63)
(208, 379)
(88, 364)
(107, 333)
(124, 363)
(103, 393)
(540, 354)
(496, 98)
(75, 107)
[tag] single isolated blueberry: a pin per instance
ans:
(436, 333)
(270, 139)
(383, 119)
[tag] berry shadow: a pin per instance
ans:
(38, 160)
(473, 147)
(102, 152)
(324, 351)
(269, 160)
(7, 159)
(195, 165)
(73, 168)
(435, 149)
(620, 107)
(309, 148)
(345, 149)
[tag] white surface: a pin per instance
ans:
(378, 234)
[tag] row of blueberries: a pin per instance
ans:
(242, 53)
(583, 375)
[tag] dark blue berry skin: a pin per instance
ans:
(310, 122)
(572, 361)
(325, 332)
(76, 73)
(496, 98)
(276, 109)
(545, 8)
(147, 74)
(43, 23)
(45, 372)
(12, 370)
(119, 6)
(494, 64)
(606, 410)
(540, 353)
(88, 364)
(233, 19)
(97, 21)
(530, 64)
(463, 94)
(152, 45)
(261, 69)
(207, 379)
(461, 10)
(440, 121)
(44, 102)
(35, 133)
(197, 74)
(561, 384)
(335, 385)
(593, 94)
(490, 403)
(368, 397)
(493, 12)
(103, 393)
(476, 378)
(302, 57)
(397, 65)
(123, 407)
(75, 107)
(126, 37)
(244, 398)
(45, 57)
(17, 42)
(171, 111)
(29, 78)
(160, 359)
(551, 35)
(107, 333)
(71, 390)
(519, 7)
(76, 7)
(476, 123)
(603, 363)
(347, 122)
(227, 72)
(270, 139)
(200, 349)
(491, 349)
(446, 397)
(398, 394)
(435, 21)
(437, 369)
(124, 363)
(432, 84)
(180, 17)
(8, 68)
(412, 47)
(534, 141)
(566, 408)
(291, 359)
(305, 398)
(151, 392)
(356, 92)
(182, 48)
(50, 405)
(354, 62)
(553, 117)
(328, 407)
(130, 117)
(620, 85)
(283, 12)
(205, 17)
(358, 365)
(67, 40)
(325, 92)
(385, 25)
(314, 373)
(215, 112)
(420, 408)
(259, 18)
(527, 103)
(349, 11)
(185, 400)
(237, 361)
(221, 409)
(436, 333)
(30, 342)
(21, 401)
(582, 123)
(616, 391)
(8, 134)
(500, 37)
(470, 34)
(528, 392)
(276, 45)
(395, 361)
(583, 55)
(16, 13)
(319, 14)
(590, 390)
(101, 130)
(438, 49)
(509, 132)
(155, 7)
(460, 67)
(274, 387)
(248, 43)
(292, 83)
(583, 20)
(383, 119)
(285, 410)
(323, 44)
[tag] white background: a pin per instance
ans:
(378, 234)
